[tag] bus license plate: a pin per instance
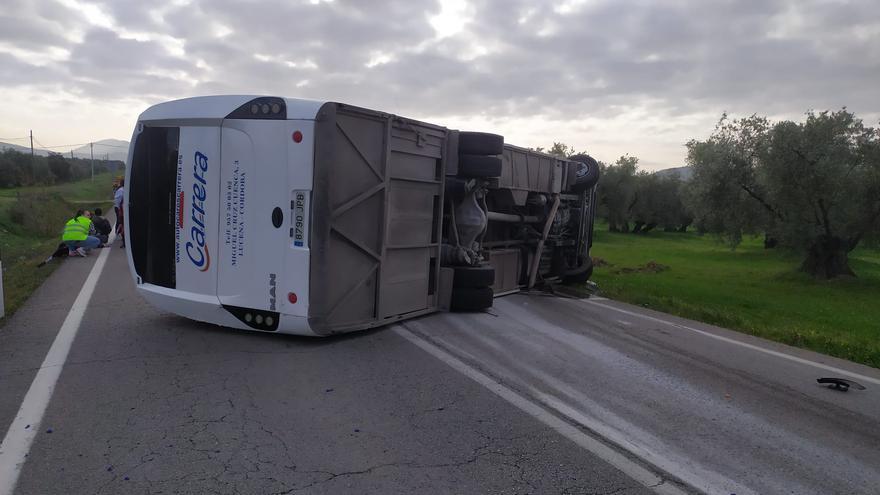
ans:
(299, 218)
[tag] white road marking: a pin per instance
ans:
(624, 323)
(771, 352)
(626, 465)
(26, 425)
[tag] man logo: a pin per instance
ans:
(272, 292)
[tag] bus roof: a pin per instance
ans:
(218, 107)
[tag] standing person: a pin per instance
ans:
(76, 235)
(118, 198)
(102, 226)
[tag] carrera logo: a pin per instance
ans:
(196, 249)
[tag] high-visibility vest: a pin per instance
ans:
(76, 229)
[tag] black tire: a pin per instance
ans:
(471, 299)
(455, 186)
(473, 276)
(480, 143)
(587, 174)
(479, 166)
(579, 275)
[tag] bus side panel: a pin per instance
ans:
(348, 190)
(376, 204)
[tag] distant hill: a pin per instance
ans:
(23, 149)
(683, 173)
(115, 148)
(112, 149)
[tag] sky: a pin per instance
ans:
(611, 77)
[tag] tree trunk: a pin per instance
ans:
(637, 227)
(827, 258)
(649, 228)
(770, 242)
(684, 228)
(625, 227)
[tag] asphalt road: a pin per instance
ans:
(541, 395)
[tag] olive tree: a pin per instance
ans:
(658, 203)
(813, 185)
(617, 192)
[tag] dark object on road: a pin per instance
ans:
(841, 384)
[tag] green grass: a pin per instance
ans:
(22, 247)
(751, 289)
(86, 190)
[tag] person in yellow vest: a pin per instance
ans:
(76, 234)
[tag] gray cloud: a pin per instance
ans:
(601, 59)
(14, 73)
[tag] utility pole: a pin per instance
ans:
(2, 308)
(92, 152)
(71, 153)
(33, 166)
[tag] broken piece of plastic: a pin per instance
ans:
(841, 384)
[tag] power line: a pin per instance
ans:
(44, 147)
(64, 145)
(84, 144)
(112, 145)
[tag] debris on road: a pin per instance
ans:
(841, 384)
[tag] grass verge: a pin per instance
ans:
(751, 289)
(31, 220)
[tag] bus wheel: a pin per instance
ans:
(480, 143)
(587, 174)
(471, 298)
(473, 276)
(479, 166)
(579, 275)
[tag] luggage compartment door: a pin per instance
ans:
(253, 185)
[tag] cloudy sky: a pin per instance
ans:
(608, 76)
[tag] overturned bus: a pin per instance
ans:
(316, 218)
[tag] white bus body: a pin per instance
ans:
(297, 216)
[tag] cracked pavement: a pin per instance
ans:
(153, 403)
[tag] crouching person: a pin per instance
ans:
(76, 235)
(101, 225)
